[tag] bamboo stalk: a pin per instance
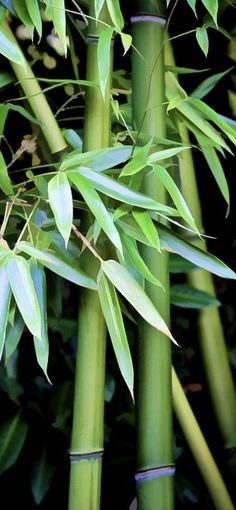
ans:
(36, 98)
(199, 448)
(87, 429)
(211, 334)
(153, 385)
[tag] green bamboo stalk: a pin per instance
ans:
(154, 403)
(88, 425)
(211, 334)
(36, 98)
(199, 448)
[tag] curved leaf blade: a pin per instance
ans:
(60, 199)
(68, 269)
(9, 50)
(120, 277)
(115, 325)
(34, 12)
(5, 298)
(12, 437)
(185, 296)
(24, 293)
(104, 58)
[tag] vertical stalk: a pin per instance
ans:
(199, 448)
(87, 428)
(154, 403)
(211, 334)
(36, 99)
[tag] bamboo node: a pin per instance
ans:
(76, 457)
(150, 18)
(149, 474)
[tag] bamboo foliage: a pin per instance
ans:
(103, 219)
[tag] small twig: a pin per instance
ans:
(26, 225)
(86, 243)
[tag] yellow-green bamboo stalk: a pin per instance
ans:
(211, 334)
(153, 383)
(199, 448)
(36, 98)
(88, 423)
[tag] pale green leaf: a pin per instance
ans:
(13, 336)
(192, 4)
(10, 50)
(212, 7)
(148, 228)
(138, 160)
(34, 12)
(175, 194)
(104, 58)
(98, 208)
(174, 243)
(134, 293)
(41, 345)
(5, 297)
(202, 39)
(24, 293)
(5, 182)
(73, 139)
(115, 325)
(12, 437)
(126, 41)
(23, 14)
(116, 14)
(58, 13)
(185, 296)
(165, 154)
(60, 199)
(137, 261)
(118, 191)
(67, 268)
(98, 6)
(99, 159)
(213, 116)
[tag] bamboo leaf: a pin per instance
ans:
(185, 296)
(137, 261)
(202, 39)
(212, 7)
(23, 14)
(118, 191)
(207, 85)
(138, 161)
(115, 325)
(179, 265)
(68, 269)
(104, 59)
(213, 116)
(5, 298)
(175, 194)
(174, 243)
(133, 292)
(24, 293)
(41, 345)
(59, 21)
(165, 154)
(98, 6)
(12, 437)
(5, 182)
(6, 78)
(60, 199)
(10, 50)
(192, 4)
(34, 12)
(13, 335)
(98, 208)
(148, 228)
(99, 159)
(116, 14)
(215, 166)
(41, 476)
(126, 40)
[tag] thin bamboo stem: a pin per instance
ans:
(88, 423)
(199, 448)
(153, 384)
(36, 99)
(211, 334)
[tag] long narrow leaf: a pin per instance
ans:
(10, 50)
(185, 296)
(34, 12)
(24, 293)
(137, 261)
(104, 44)
(98, 208)
(69, 270)
(5, 297)
(115, 325)
(133, 292)
(12, 437)
(60, 199)
(13, 335)
(99, 159)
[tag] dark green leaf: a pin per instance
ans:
(114, 320)
(13, 335)
(12, 437)
(42, 474)
(185, 296)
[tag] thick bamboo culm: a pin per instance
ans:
(88, 418)
(153, 382)
(211, 334)
(36, 99)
